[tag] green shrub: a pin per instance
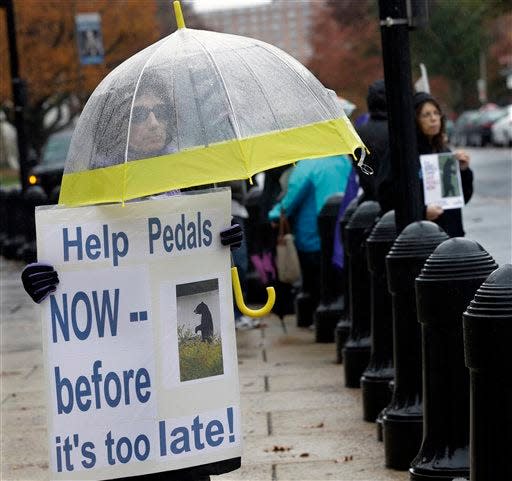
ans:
(198, 359)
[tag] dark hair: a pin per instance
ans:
(437, 142)
(376, 98)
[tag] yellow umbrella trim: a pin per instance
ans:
(211, 164)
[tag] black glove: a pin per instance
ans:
(232, 236)
(39, 280)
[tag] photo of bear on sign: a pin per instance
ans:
(199, 334)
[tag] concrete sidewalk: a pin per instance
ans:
(299, 422)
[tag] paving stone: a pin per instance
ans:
(29, 379)
(339, 470)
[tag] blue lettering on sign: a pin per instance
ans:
(174, 440)
(113, 389)
(95, 248)
(184, 235)
(88, 454)
(123, 449)
(64, 448)
(214, 432)
(105, 310)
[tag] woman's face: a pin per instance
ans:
(429, 119)
(149, 124)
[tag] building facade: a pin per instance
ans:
(283, 23)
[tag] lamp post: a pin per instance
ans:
(395, 19)
(19, 92)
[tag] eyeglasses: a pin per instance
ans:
(428, 115)
(140, 113)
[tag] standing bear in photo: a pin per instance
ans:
(206, 326)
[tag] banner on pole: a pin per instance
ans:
(89, 38)
(139, 340)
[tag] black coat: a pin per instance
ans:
(374, 135)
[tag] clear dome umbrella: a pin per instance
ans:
(196, 108)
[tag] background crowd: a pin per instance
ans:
(299, 192)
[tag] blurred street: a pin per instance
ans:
(487, 217)
(300, 422)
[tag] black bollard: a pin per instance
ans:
(15, 223)
(356, 351)
(303, 306)
(331, 305)
(402, 418)
(34, 196)
(487, 325)
(445, 287)
(375, 380)
(342, 330)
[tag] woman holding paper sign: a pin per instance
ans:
(430, 129)
(431, 135)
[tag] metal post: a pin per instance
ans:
(487, 327)
(402, 131)
(356, 351)
(331, 306)
(402, 418)
(342, 330)
(18, 92)
(379, 372)
(444, 288)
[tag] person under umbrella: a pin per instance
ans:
(148, 136)
(238, 106)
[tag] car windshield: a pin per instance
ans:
(56, 149)
(493, 115)
(466, 117)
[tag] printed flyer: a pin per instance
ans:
(139, 339)
(442, 184)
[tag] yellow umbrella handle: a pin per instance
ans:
(237, 290)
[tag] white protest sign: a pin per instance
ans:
(442, 184)
(139, 340)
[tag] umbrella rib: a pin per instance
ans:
(96, 134)
(260, 86)
(198, 106)
(232, 117)
(173, 83)
(285, 61)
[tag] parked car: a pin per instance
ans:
(479, 132)
(501, 131)
(449, 126)
(461, 127)
(48, 173)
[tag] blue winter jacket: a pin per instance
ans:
(310, 184)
